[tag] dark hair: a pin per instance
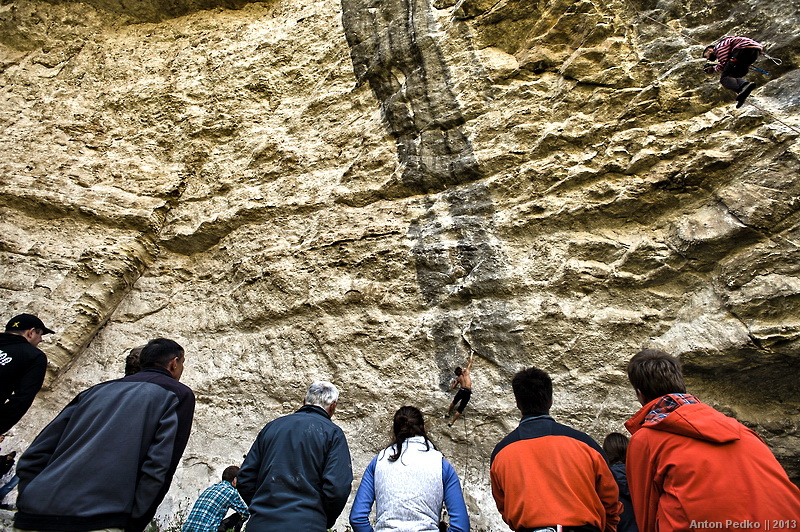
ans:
(230, 473)
(655, 373)
(615, 445)
(407, 423)
(713, 50)
(132, 363)
(458, 371)
(533, 391)
(159, 352)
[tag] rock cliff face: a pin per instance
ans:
(362, 190)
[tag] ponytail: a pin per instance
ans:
(407, 423)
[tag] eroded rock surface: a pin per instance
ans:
(362, 190)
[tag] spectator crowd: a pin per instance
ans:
(106, 461)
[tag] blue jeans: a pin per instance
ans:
(10, 485)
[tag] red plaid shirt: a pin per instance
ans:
(667, 404)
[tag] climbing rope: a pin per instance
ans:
(750, 101)
(775, 60)
(633, 8)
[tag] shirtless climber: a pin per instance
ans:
(734, 55)
(464, 382)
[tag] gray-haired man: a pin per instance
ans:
(297, 474)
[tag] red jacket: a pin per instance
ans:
(693, 468)
(547, 474)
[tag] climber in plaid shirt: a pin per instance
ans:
(734, 55)
(212, 505)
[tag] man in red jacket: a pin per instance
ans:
(692, 468)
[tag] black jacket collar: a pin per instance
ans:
(315, 409)
(158, 369)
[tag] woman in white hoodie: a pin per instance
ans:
(409, 481)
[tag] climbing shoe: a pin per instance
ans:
(744, 93)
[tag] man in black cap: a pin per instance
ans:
(22, 367)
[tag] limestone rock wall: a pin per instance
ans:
(362, 190)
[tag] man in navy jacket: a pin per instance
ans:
(107, 460)
(297, 475)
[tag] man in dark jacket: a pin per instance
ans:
(107, 460)
(22, 367)
(297, 475)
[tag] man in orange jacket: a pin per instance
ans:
(546, 475)
(692, 468)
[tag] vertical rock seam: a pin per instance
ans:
(459, 270)
(393, 49)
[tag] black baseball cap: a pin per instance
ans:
(23, 322)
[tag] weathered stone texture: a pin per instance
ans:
(362, 190)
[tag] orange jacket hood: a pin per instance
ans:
(698, 421)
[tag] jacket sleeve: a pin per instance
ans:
(608, 491)
(645, 489)
(337, 477)
(24, 394)
(454, 499)
(365, 496)
(38, 454)
(723, 52)
(154, 471)
(247, 479)
(497, 489)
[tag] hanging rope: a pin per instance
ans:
(661, 23)
(773, 116)
(775, 60)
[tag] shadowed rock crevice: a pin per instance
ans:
(462, 274)
(393, 48)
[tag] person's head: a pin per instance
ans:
(710, 52)
(132, 362)
(407, 423)
(615, 446)
(533, 391)
(458, 371)
(655, 373)
(230, 474)
(29, 327)
(163, 353)
(324, 395)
